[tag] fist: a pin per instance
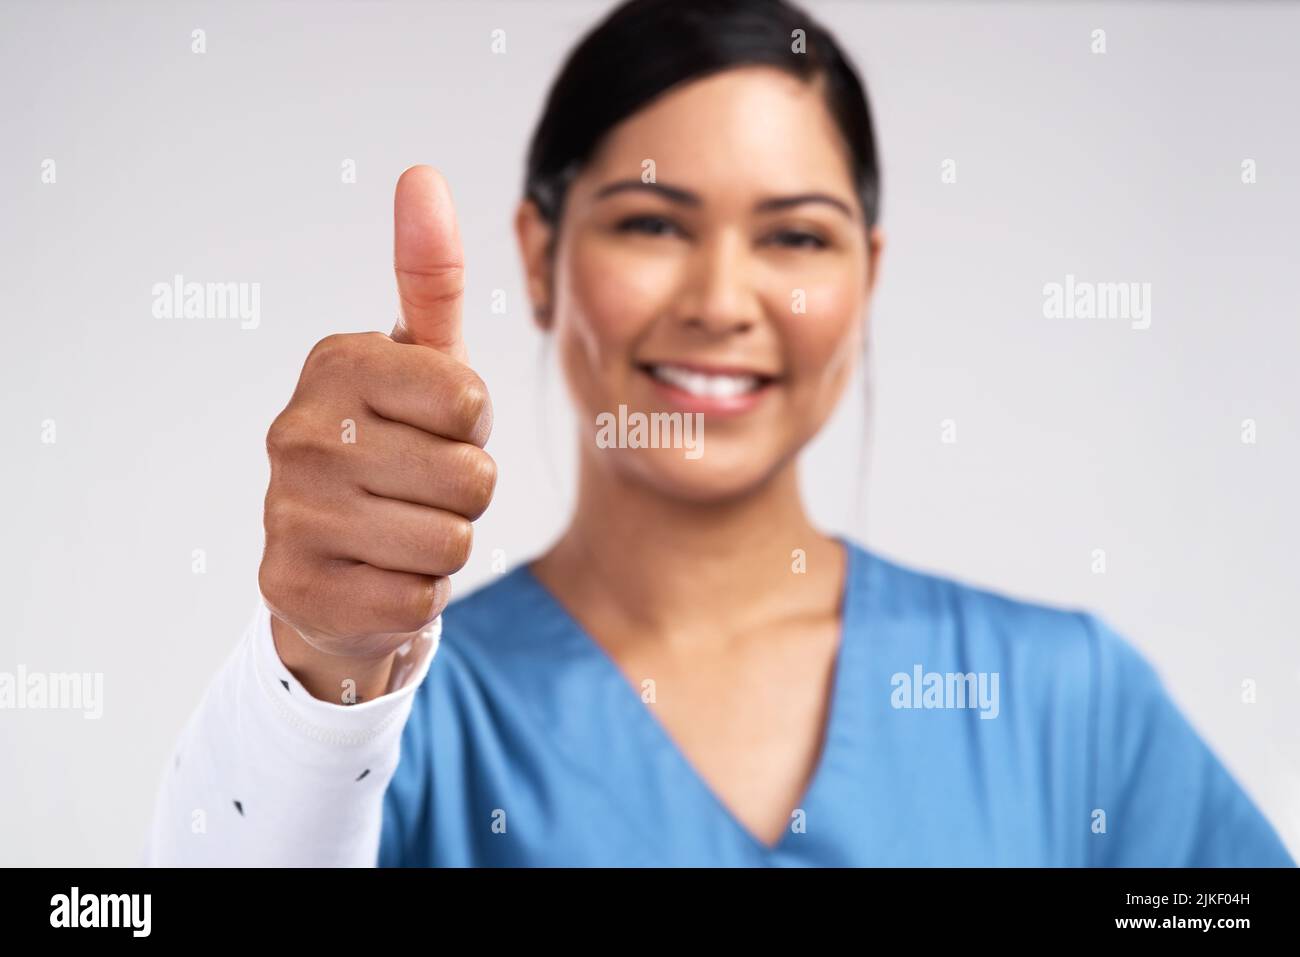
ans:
(377, 462)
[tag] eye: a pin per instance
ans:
(648, 225)
(797, 239)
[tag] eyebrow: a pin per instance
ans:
(684, 197)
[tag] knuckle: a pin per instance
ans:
(277, 583)
(269, 578)
(299, 438)
(275, 437)
(327, 351)
(431, 285)
(458, 541)
(272, 519)
(478, 478)
(470, 403)
(339, 352)
(421, 604)
(281, 518)
(289, 434)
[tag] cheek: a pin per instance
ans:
(608, 297)
(823, 342)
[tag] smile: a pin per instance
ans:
(717, 390)
(706, 384)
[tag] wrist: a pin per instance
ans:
(336, 679)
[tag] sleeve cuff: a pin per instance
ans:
(340, 724)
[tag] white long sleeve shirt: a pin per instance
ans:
(266, 775)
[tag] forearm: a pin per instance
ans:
(266, 774)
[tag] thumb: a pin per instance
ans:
(429, 263)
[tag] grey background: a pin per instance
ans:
(1072, 435)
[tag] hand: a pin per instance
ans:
(377, 466)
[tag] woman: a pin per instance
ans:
(693, 674)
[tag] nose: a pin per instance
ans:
(718, 298)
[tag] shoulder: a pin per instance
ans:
(1056, 665)
(1079, 691)
(984, 619)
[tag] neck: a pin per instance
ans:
(635, 560)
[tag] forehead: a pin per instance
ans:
(743, 131)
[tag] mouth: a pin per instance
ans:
(701, 388)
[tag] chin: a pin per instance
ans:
(718, 477)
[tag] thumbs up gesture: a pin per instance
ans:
(378, 468)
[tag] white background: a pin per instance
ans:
(1071, 434)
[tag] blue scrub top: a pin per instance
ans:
(526, 745)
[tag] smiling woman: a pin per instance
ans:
(753, 255)
(693, 673)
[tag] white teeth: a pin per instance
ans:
(703, 384)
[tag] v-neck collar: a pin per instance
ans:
(845, 714)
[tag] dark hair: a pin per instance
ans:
(645, 47)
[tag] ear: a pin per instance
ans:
(875, 246)
(534, 236)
